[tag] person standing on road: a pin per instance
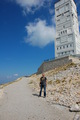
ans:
(43, 84)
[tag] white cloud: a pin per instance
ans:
(12, 76)
(24, 13)
(9, 77)
(39, 33)
(78, 3)
(53, 20)
(27, 5)
(51, 11)
(32, 5)
(15, 75)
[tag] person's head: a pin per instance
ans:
(43, 75)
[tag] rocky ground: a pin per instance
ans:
(63, 85)
(20, 102)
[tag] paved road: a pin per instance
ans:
(21, 103)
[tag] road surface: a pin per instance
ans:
(20, 102)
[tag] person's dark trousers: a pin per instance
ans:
(43, 86)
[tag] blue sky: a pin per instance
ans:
(27, 33)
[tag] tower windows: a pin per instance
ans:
(58, 20)
(71, 45)
(64, 26)
(62, 14)
(65, 31)
(68, 15)
(67, 46)
(67, 4)
(63, 46)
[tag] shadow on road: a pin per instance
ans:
(35, 95)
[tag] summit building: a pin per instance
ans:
(67, 29)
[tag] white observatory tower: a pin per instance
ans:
(67, 29)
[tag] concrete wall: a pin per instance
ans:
(49, 65)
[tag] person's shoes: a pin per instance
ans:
(39, 96)
(44, 96)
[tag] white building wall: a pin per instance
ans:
(67, 29)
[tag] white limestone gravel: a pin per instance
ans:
(20, 102)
